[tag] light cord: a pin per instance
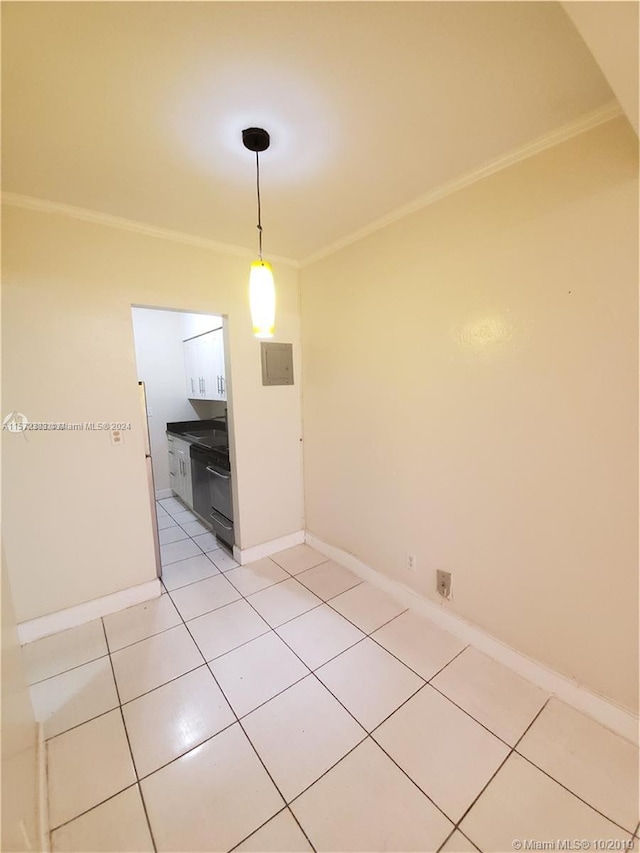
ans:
(259, 206)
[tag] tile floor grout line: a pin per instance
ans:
(573, 793)
(499, 768)
(126, 733)
(97, 805)
(71, 668)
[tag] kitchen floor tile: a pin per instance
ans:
(73, 697)
(169, 504)
(195, 528)
(212, 798)
(160, 511)
(256, 672)
(140, 621)
(86, 765)
(172, 533)
(222, 560)
(319, 635)
(596, 764)
(180, 550)
(444, 751)
(206, 542)
(188, 571)
(204, 596)
(367, 803)
(175, 718)
(420, 644)
(522, 803)
(256, 576)
(284, 601)
(227, 628)
(167, 523)
(328, 579)
(366, 606)
(154, 661)
(457, 843)
(60, 652)
(119, 824)
(280, 835)
(298, 558)
(369, 681)
(300, 734)
(493, 694)
(184, 516)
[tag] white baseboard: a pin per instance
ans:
(43, 790)
(35, 629)
(257, 552)
(618, 719)
(161, 494)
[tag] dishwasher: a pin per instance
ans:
(212, 498)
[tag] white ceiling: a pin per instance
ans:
(136, 109)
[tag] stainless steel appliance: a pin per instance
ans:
(212, 496)
(150, 484)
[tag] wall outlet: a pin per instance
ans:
(443, 584)
(411, 562)
(117, 436)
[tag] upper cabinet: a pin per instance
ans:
(204, 367)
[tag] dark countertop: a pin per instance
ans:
(210, 434)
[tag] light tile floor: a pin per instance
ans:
(287, 706)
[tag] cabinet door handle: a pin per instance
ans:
(191, 380)
(222, 476)
(223, 382)
(215, 518)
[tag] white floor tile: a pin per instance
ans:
(256, 672)
(369, 681)
(154, 661)
(204, 596)
(120, 825)
(222, 560)
(419, 643)
(458, 844)
(86, 766)
(180, 550)
(444, 751)
(173, 533)
(195, 528)
(188, 571)
(257, 576)
(167, 523)
(280, 835)
(597, 765)
(60, 652)
(169, 504)
(161, 511)
(298, 558)
(328, 579)
(366, 606)
(522, 803)
(74, 697)
(175, 718)
(184, 516)
(140, 621)
(284, 601)
(366, 803)
(493, 694)
(300, 734)
(211, 798)
(226, 628)
(319, 635)
(206, 542)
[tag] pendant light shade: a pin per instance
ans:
(262, 291)
(262, 299)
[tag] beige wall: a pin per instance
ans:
(19, 777)
(75, 507)
(471, 396)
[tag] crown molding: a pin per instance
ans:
(44, 206)
(587, 122)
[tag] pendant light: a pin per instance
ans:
(262, 291)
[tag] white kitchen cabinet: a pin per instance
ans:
(204, 366)
(180, 469)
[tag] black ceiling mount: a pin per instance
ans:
(256, 139)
